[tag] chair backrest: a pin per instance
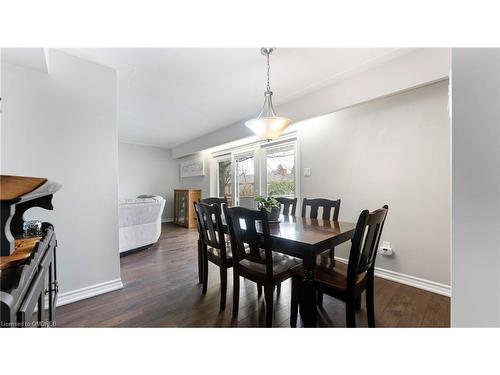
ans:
(210, 226)
(289, 205)
(365, 243)
(213, 200)
(246, 242)
(327, 206)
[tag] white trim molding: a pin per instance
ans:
(416, 282)
(89, 291)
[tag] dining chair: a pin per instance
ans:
(343, 281)
(289, 205)
(326, 205)
(253, 257)
(215, 200)
(209, 201)
(220, 202)
(215, 247)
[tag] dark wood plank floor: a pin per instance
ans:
(161, 290)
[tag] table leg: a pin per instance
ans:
(308, 311)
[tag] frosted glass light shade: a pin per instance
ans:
(268, 128)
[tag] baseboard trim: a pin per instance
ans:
(89, 291)
(417, 282)
(167, 220)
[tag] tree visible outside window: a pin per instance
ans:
(245, 169)
(242, 170)
(280, 166)
(225, 180)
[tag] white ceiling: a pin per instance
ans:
(167, 96)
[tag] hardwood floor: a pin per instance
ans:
(161, 290)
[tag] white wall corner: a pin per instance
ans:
(31, 58)
(46, 54)
(416, 282)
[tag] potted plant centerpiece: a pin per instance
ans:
(271, 205)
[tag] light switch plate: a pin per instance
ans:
(307, 172)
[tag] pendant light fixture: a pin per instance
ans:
(267, 125)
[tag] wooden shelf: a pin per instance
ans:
(27, 265)
(184, 214)
(14, 187)
(22, 251)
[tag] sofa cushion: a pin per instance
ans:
(140, 211)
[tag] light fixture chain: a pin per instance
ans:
(267, 125)
(268, 73)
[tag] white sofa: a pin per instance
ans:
(140, 222)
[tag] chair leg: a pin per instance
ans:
(268, 295)
(205, 272)
(259, 290)
(294, 304)
(200, 262)
(278, 289)
(370, 307)
(350, 311)
(223, 287)
(357, 302)
(236, 291)
(319, 298)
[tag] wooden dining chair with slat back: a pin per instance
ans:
(212, 200)
(289, 206)
(215, 247)
(220, 202)
(325, 204)
(331, 209)
(253, 255)
(347, 281)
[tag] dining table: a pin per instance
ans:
(306, 238)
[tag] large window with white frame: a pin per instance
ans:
(246, 186)
(225, 178)
(280, 170)
(261, 168)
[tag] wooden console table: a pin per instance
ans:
(28, 273)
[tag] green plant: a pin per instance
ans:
(268, 203)
(281, 188)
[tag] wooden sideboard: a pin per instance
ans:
(184, 214)
(28, 272)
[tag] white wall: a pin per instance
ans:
(394, 150)
(62, 126)
(476, 187)
(148, 170)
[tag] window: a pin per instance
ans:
(225, 179)
(245, 180)
(261, 168)
(280, 171)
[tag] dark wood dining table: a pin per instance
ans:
(305, 238)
